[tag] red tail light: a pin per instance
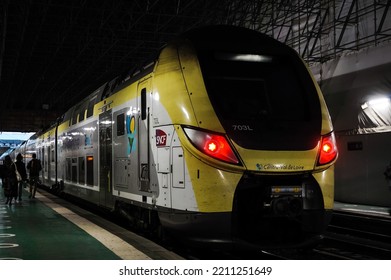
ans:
(328, 149)
(214, 145)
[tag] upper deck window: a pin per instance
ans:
(90, 108)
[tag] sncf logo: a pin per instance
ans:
(161, 138)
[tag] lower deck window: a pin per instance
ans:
(90, 170)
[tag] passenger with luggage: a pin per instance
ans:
(34, 166)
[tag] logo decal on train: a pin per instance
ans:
(161, 138)
(270, 166)
(131, 132)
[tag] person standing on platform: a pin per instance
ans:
(9, 180)
(22, 177)
(34, 166)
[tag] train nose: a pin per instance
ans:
(287, 206)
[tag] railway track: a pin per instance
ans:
(358, 236)
(351, 236)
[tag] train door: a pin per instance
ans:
(143, 136)
(178, 186)
(105, 159)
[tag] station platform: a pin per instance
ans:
(363, 209)
(49, 228)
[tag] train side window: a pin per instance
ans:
(75, 115)
(143, 103)
(51, 154)
(68, 116)
(120, 124)
(90, 170)
(68, 168)
(90, 109)
(82, 113)
(74, 170)
(82, 170)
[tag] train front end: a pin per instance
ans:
(261, 151)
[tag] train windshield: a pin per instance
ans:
(262, 99)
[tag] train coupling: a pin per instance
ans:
(286, 201)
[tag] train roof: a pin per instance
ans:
(233, 37)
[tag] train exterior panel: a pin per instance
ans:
(224, 137)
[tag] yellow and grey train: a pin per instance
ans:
(224, 137)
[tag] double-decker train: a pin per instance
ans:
(224, 137)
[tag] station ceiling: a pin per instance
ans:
(53, 53)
